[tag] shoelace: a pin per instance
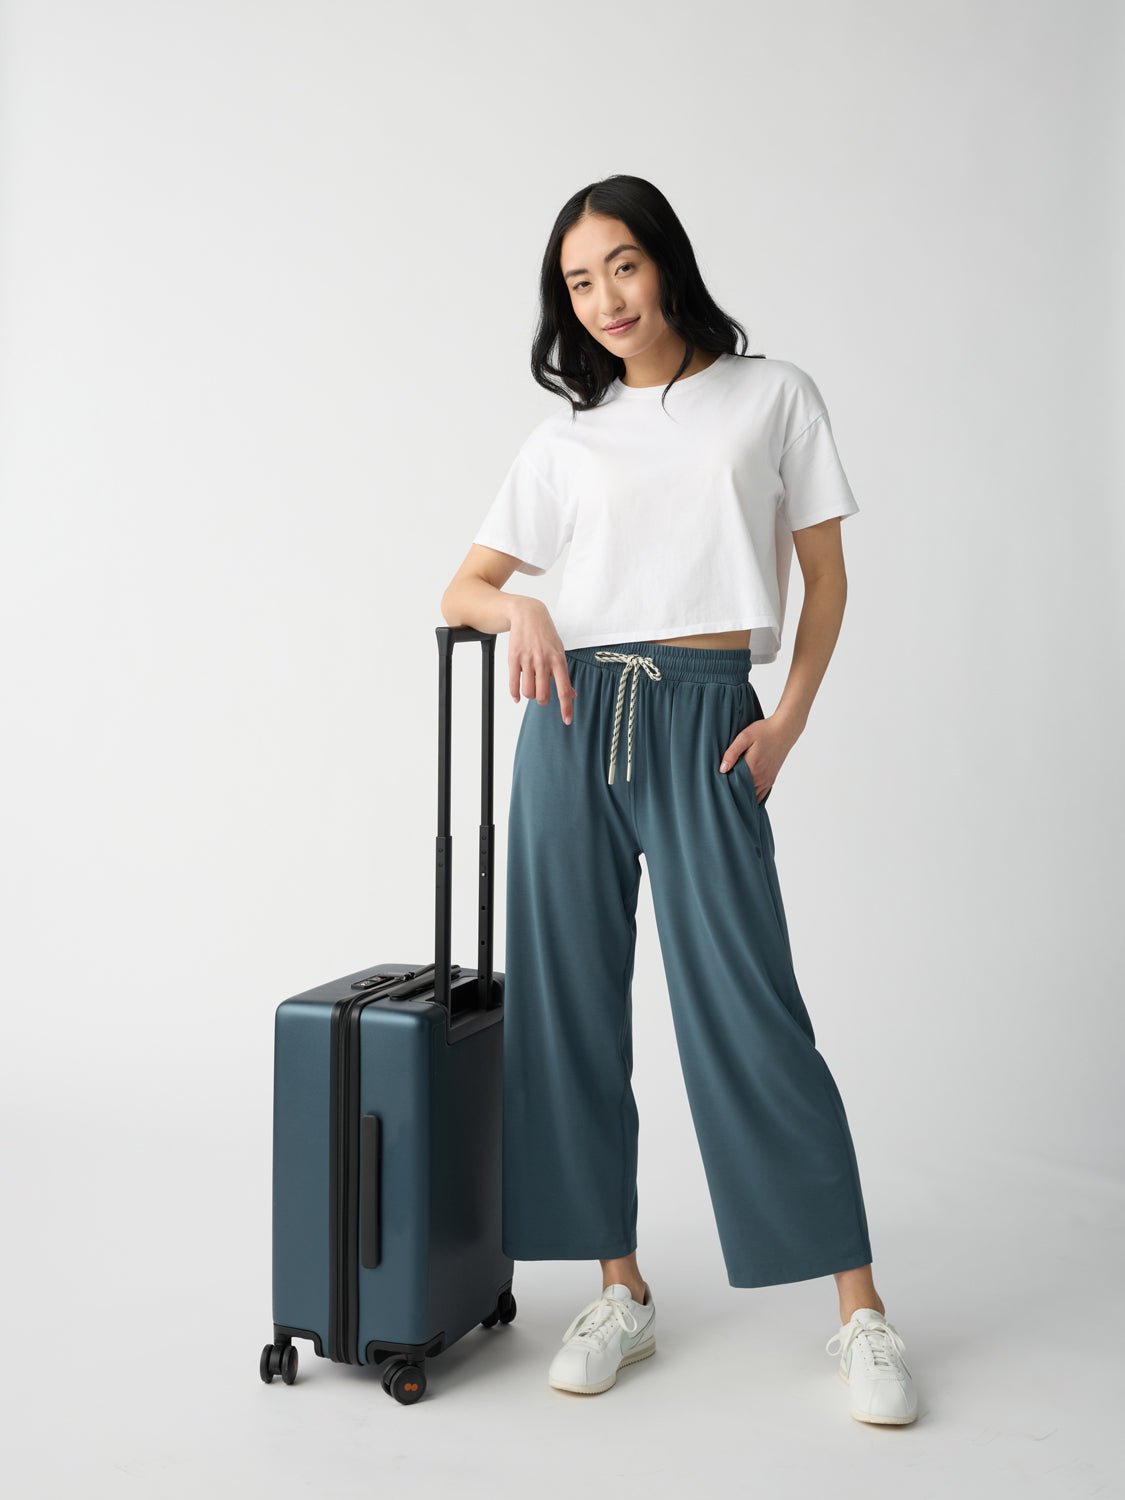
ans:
(601, 1312)
(633, 664)
(880, 1341)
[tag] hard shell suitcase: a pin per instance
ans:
(387, 1133)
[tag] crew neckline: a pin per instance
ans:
(656, 391)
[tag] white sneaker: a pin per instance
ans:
(611, 1331)
(871, 1365)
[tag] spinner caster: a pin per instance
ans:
(504, 1311)
(404, 1381)
(279, 1359)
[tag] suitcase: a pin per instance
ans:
(387, 1134)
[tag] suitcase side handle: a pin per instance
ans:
(448, 636)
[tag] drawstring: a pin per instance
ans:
(633, 663)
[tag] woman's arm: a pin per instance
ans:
(475, 597)
(766, 743)
(820, 554)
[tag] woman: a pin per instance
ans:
(683, 474)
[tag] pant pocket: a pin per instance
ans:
(750, 712)
(746, 771)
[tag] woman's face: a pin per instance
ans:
(611, 280)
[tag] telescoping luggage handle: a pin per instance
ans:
(449, 636)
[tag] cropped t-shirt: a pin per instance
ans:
(679, 517)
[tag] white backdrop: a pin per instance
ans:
(268, 276)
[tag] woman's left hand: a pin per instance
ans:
(763, 745)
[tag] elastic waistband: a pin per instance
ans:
(680, 663)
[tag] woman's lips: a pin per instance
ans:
(622, 327)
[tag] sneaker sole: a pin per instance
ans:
(642, 1351)
(882, 1421)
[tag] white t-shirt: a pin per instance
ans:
(679, 516)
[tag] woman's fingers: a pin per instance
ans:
(565, 691)
(738, 750)
(532, 677)
(535, 657)
(738, 746)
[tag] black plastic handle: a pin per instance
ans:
(448, 636)
(370, 1163)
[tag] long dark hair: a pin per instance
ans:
(586, 367)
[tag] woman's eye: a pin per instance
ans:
(626, 265)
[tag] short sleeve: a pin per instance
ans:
(527, 519)
(815, 485)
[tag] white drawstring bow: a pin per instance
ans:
(633, 664)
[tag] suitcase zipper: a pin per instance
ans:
(343, 1165)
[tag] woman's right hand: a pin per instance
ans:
(536, 655)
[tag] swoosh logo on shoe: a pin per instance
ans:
(631, 1340)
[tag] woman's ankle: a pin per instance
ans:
(637, 1296)
(624, 1273)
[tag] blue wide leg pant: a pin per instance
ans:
(777, 1151)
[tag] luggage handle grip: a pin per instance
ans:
(370, 1171)
(449, 636)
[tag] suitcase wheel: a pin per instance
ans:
(279, 1359)
(504, 1312)
(404, 1381)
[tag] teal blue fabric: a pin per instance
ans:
(770, 1123)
